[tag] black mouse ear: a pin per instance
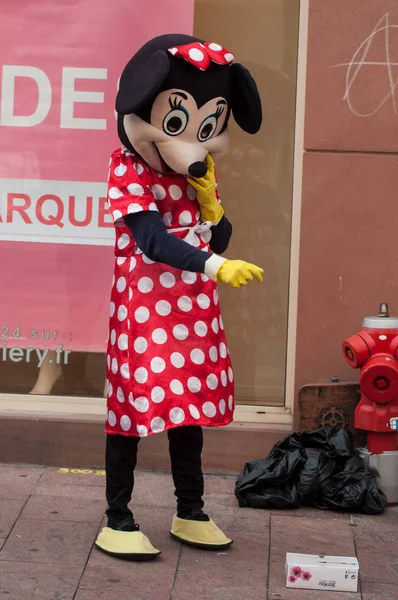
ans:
(246, 102)
(139, 85)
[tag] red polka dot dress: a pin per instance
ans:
(167, 362)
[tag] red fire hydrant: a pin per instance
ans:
(375, 351)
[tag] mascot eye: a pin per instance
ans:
(209, 126)
(176, 120)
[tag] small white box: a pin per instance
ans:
(312, 572)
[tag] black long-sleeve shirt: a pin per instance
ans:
(157, 244)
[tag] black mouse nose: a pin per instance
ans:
(197, 169)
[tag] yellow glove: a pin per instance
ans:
(238, 273)
(210, 208)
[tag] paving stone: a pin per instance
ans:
(220, 485)
(2, 542)
(28, 581)
(377, 528)
(18, 481)
(106, 573)
(312, 513)
(153, 489)
(53, 542)
(377, 591)
(378, 561)
(9, 512)
(279, 591)
(311, 536)
(239, 519)
(129, 595)
(70, 491)
(239, 572)
(64, 476)
(59, 508)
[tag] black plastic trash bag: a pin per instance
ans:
(316, 468)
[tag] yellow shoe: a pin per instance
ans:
(128, 545)
(200, 534)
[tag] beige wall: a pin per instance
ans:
(349, 205)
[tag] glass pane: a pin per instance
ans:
(256, 187)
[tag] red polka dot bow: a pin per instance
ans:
(200, 55)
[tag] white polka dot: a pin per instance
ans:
(215, 47)
(230, 374)
(206, 236)
(130, 293)
(177, 387)
(114, 193)
(158, 394)
(194, 412)
(203, 301)
(173, 51)
(196, 54)
(213, 353)
(141, 404)
(209, 409)
(117, 214)
(175, 192)
(142, 430)
(215, 297)
(131, 399)
(135, 189)
(111, 418)
(123, 241)
(141, 375)
(205, 249)
(145, 285)
(159, 336)
(115, 366)
(222, 406)
(177, 415)
(163, 308)
(188, 277)
(197, 215)
(158, 365)
(120, 170)
(140, 345)
(215, 326)
(167, 219)
(195, 241)
(139, 168)
(212, 382)
(223, 350)
(112, 309)
(153, 207)
(221, 322)
(141, 314)
(133, 262)
(229, 57)
(113, 336)
(204, 277)
(121, 312)
(158, 191)
(191, 192)
(185, 218)
(184, 303)
(197, 356)
(108, 361)
(120, 395)
(134, 208)
(125, 371)
(125, 423)
(167, 280)
(113, 281)
(230, 402)
(177, 360)
(121, 284)
(224, 379)
(200, 328)
(194, 385)
(122, 341)
(121, 260)
(147, 260)
(110, 389)
(180, 332)
(157, 425)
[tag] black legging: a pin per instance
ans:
(185, 446)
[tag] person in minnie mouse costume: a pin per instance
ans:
(168, 367)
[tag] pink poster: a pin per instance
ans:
(60, 67)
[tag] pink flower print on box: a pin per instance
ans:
(296, 572)
(306, 576)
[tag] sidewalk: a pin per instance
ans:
(49, 519)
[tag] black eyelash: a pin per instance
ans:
(219, 112)
(175, 103)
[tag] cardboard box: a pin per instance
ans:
(319, 572)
